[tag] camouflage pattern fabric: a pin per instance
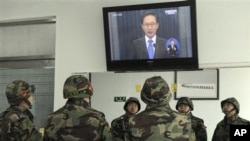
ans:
(18, 90)
(77, 122)
(17, 125)
(77, 86)
(197, 123)
(120, 125)
(199, 128)
(2, 115)
(120, 128)
(222, 130)
(158, 122)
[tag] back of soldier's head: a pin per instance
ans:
(18, 91)
(77, 86)
(155, 90)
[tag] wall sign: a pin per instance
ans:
(198, 84)
(119, 98)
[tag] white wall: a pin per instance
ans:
(223, 39)
(223, 32)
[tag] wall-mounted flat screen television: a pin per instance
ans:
(156, 36)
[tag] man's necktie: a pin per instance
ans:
(150, 49)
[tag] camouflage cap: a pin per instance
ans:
(18, 90)
(132, 99)
(155, 90)
(77, 86)
(233, 101)
(185, 100)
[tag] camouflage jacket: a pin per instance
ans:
(222, 130)
(120, 128)
(160, 123)
(2, 115)
(77, 122)
(199, 128)
(17, 125)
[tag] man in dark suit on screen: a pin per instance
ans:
(150, 46)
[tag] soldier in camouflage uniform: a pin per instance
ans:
(185, 106)
(230, 107)
(119, 126)
(77, 121)
(158, 122)
(17, 120)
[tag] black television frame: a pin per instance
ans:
(186, 63)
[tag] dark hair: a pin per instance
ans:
(149, 13)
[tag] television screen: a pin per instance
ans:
(158, 36)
